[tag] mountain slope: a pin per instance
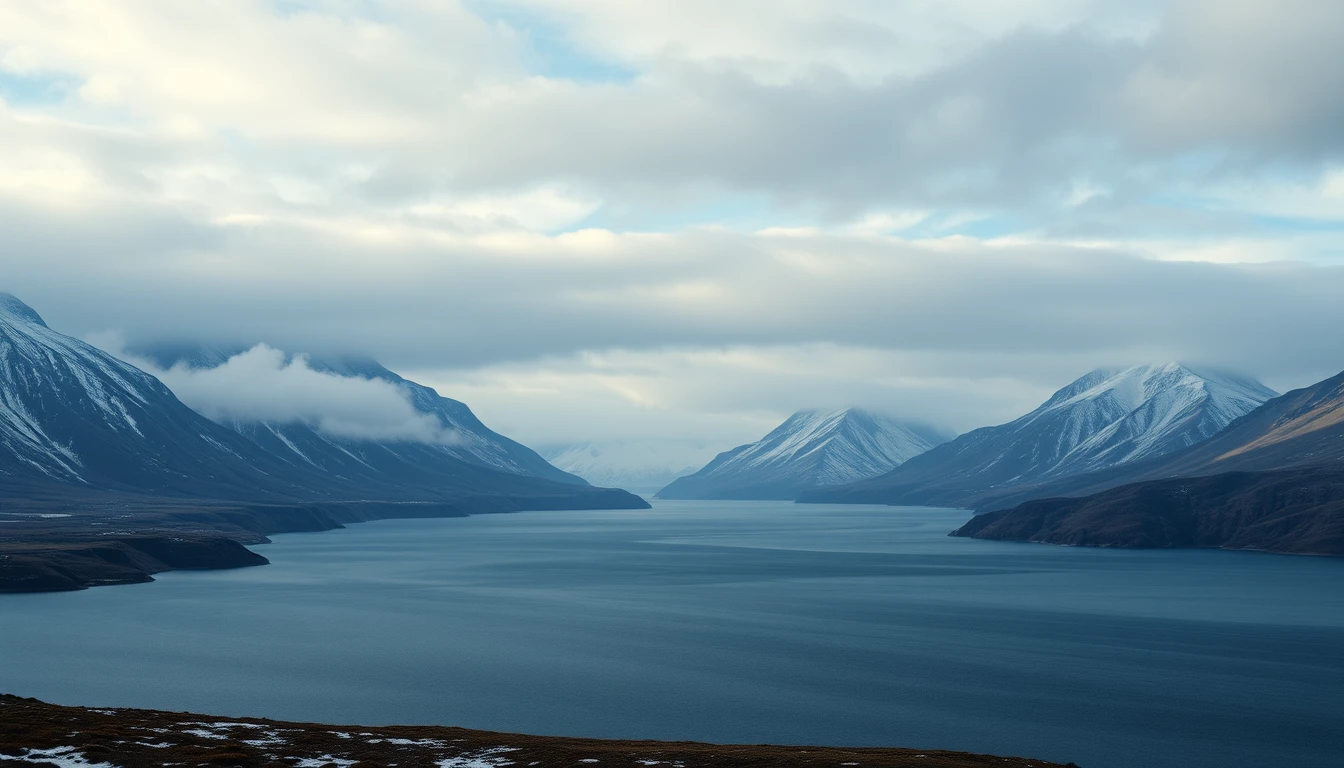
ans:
(811, 449)
(1292, 511)
(76, 420)
(1303, 428)
(1105, 419)
(636, 465)
(410, 461)
(72, 416)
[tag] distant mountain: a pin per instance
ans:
(642, 466)
(409, 462)
(810, 450)
(76, 420)
(1105, 419)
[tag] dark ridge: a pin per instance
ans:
(1293, 512)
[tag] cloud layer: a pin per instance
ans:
(593, 218)
(263, 384)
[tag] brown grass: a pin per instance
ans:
(128, 738)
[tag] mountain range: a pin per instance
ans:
(1157, 455)
(811, 449)
(1107, 418)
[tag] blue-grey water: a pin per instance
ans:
(742, 622)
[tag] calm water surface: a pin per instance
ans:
(755, 622)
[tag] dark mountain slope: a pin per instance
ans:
(1298, 511)
(74, 417)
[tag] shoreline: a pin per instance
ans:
(54, 547)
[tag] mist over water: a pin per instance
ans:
(741, 622)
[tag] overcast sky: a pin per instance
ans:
(596, 219)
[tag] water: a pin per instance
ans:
(743, 622)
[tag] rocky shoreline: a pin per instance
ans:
(35, 733)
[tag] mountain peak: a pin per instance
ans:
(812, 448)
(11, 306)
(1129, 388)
(1107, 417)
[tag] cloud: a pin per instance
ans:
(918, 197)
(837, 107)
(469, 301)
(264, 385)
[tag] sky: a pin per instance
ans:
(599, 219)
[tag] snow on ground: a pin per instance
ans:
(62, 757)
(486, 758)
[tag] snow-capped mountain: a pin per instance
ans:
(642, 466)
(73, 415)
(1104, 419)
(75, 421)
(410, 461)
(812, 449)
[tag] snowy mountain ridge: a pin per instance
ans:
(300, 442)
(1106, 418)
(71, 413)
(77, 423)
(811, 449)
(1115, 416)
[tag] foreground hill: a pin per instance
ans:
(1273, 480)
(810, 450)
(47, 734)
(1107, 418)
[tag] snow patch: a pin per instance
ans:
(486, 758)
(62, 757)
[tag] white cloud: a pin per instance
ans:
(775, 187)
(263, 384)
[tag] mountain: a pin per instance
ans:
(409, 462)
(1272, 480)
(1107, 418)
(1303, 428)
(642, 466)
(810, 450)
(74, 418)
